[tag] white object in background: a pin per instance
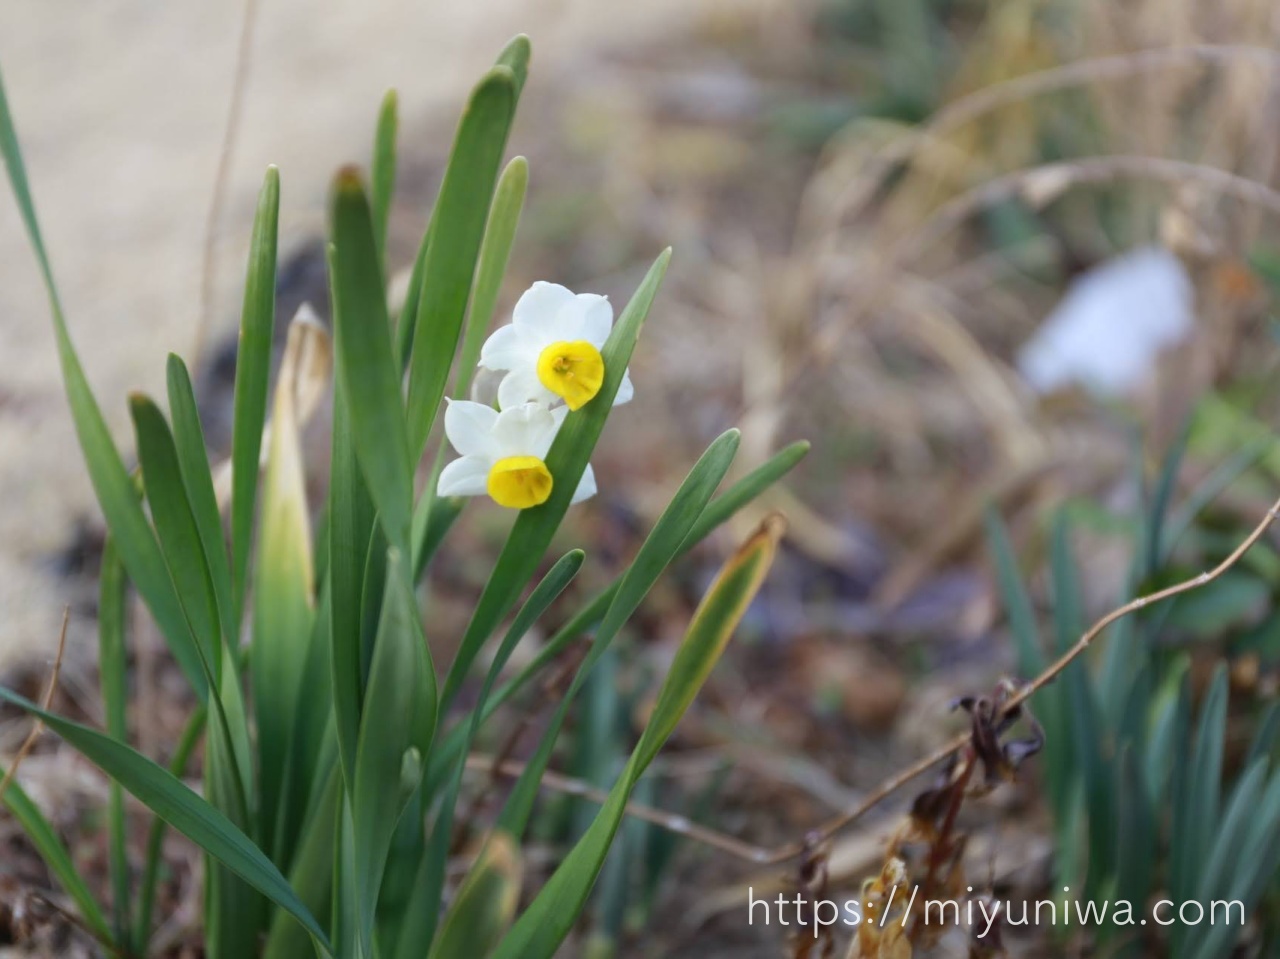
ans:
(1111, 325)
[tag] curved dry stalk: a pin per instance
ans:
(223, 175)
(973, 105)
(45, 702)
(1049, 180)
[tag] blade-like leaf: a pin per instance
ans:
(197, 479)
(384, 170)
(544, 925)
(720, 510)
(112, 669)
(457, 227)
(283, 607)
(253, 364)
(366, 364)
(164, 794)
(431, 517)
(187, 743)
(40, 832)
(485, 903)
(396, 730)
(116, 495)
(515, 57)
(351, 521)
(659, 548)
(311, 875)
(495, 251)
(419, 924)
(176, 526)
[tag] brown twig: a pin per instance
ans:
(894, 783)
(46, 701)
(223, 174)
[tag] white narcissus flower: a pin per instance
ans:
(503, 454)
(551, 349)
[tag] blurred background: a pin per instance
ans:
(1012, 257)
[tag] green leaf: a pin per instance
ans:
(657, 552)
(545, 924)
(1166, 485)
(311, 875)
(1017, 602)
(457, 228)
(515, 57)
(366, 364)
(283, 611)
(1266, 735)
(125, 519)
(184, 555)
(431, 517)
(55, 856)
(351, 522)
(485, 903)
(396, 730)
(407, 320)
(1196, 797)
(419, 924)
(1082, 714)
(384, 171)
(567, 460)
(164, 794)
(155, 838)
(112, 669)
(231, 906)
(495, 251)
(176, 526)
(197, 480)
(720, 510)
(253, 365)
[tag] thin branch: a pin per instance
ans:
(45, 702)
(223, 174)
(894, 783)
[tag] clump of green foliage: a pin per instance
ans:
(1146, 797)
(333, 756)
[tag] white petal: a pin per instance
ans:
(625, 390)
(522, 386)
(592, 319)
(468, 476)
(525, 430)
(468, 426)
(506, 349)
(586, 486)
(538, 309)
